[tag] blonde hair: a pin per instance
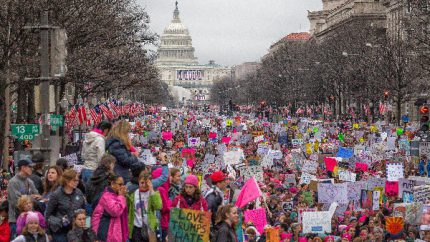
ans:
(120, 131)
(67, 176)
(22, 201)
(40, 230)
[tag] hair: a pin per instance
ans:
(62, 163)
(174, 171)
(40, 230)
(22, 201)
(144, 175)
(106, 161)
(67, 176)
(104, 125)
(75, 216)
(112, 178)
(37, 158)
(197, 193)
(120, 131)
(222, 213)
(49, 186)
(137, 168)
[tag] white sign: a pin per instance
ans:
(193, 141)
(310, 167)
(316, 222)
(328, 193)
(424, 148)
(306, 178)
(233, 157)
(251, 171)
(375, 203)
(394, 171)
(347, 176)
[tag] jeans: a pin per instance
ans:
(59, 237)
(86, 175)
(12, 227)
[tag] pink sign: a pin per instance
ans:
(212, 135)
(361, 166)
(226, 140)
(167, 135)
(258, 217)
(330, 163)
(392, 188)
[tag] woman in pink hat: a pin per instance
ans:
(190, 196)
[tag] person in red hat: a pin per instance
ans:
(214, 196)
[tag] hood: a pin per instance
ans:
(91, 136)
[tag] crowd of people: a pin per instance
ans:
(256, 179)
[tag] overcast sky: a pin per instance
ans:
(233, 31)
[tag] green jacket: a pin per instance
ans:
(153, 205)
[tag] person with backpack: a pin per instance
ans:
(93, 149)
(214, 196)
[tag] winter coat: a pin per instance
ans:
(61, 204)
(96, 185)
(18, 186)
(81, 235)
(154, 204)
(93, 149)
(133, 185)
(31, 238)
(124, 158)
(214, 200)
(4, 231)
(20, 221)
(224, 233)
(109, 220)
(37, 177)
(180, 200)
(167, 204)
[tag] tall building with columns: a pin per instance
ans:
(178, 66)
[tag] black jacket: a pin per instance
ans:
(96, 185)
(81, 235)
(36, 177)
(124, 158)
(214, 200)
(224, 233)
(64, 205)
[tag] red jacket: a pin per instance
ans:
(4, 231)
(201, 204)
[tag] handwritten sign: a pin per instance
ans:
(259, 139)
(233, 157)
(375, 205)
(310, 167)
(316, 222)
(252, 171)
(392, 188)
(422, 193)
(328, 193)
(189, 225)
(302, 210)
(394, 171)
(263, 149)
(290, 179)
(306, 178)
(407, 185)
(347, 176)
(193, 141)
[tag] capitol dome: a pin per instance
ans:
(176, 26)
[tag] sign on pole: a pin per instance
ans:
(25, 131)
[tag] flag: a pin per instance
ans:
(106, 111)
(250, 191)
(82, 114)
(382, 108)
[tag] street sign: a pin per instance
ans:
(25, 131)
(405, 119)
(56, 120)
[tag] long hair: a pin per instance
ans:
(51, 186)
(75, 216)
(196, 196)
(40, 230)
(67, 176)
(120, 131)
(222, 213)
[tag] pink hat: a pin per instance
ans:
(362, 219)
(31, 217)
(192, 180)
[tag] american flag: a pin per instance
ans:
(106, 111)
(382, 108)
(82, 114)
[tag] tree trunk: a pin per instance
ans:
(398, 111)
(21, 104)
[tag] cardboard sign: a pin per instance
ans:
(329, 193)
(394, 225)
(394, 171)
(252, 171)
(233, 157)
(316, 222)
(422, 193)
(189, 225)
(309, 167)
(392, 188)
(407, 185)
(258, 217)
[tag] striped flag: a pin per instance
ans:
(106, 111)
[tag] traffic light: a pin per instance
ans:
(424, 118)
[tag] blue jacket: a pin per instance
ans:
(124, 158)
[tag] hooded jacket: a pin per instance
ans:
(93, 149)
(124, 158)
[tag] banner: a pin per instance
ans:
(189, 225)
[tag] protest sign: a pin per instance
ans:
(425, 217)
(354, 190)
(189, 225)
(193, 141)
(147, 157)
(347, 176)
(296, 142)
(225, 140)
(394, 225)
(407, 185)
(233, 157)
(263, 149)
(283, 139)
(167, 135)
(422, 193)
(267, 161)
(300, 212)
(424, 148)
(251, 171)
(72, 159)
(394, 171)
(259, 139)
(275, 154)
(411, 212)
(366, 199)
(258, 217)
(316, 222)
(375, 202)
(306, 178)
(392, 188)
(408, 197)
(309, 167)
(345, 153)
(287, 206)
(328, 193)
(290, 179)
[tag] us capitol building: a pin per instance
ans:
(179, 68)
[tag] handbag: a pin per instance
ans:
(55, 223)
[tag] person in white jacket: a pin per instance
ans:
(93, 149)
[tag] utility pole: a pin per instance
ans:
(7, 107)
(44, 84)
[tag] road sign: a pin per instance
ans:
(56, 120)
(25, 131)
(405, 119)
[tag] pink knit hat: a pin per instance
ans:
(31, 217)
(192, 180)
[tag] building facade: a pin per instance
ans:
(178, 66)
